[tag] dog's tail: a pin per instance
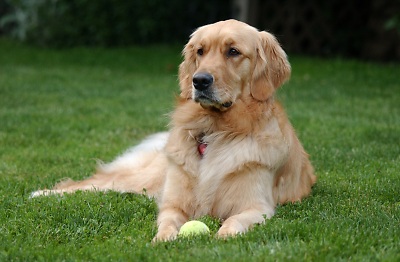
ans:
(139, 170)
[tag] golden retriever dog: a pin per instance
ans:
(231, 152)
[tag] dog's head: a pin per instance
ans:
(230, 59)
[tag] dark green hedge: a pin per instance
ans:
(64, 23)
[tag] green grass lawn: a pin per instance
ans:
(61, 111)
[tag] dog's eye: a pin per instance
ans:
(200, 51)
(233, 52)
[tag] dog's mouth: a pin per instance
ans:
(208, 101)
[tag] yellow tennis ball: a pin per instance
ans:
(192, 228)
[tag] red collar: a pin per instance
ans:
(201, 145)
(201, 148)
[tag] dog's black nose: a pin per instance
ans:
(202, 81)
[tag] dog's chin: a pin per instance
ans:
(213, 105)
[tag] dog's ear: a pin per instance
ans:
(272, 68)
(186, 71)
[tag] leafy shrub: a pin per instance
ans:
(63, 23)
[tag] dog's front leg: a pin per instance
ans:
(243, 221)
(258, 205)
(169, 221)
(176, 205)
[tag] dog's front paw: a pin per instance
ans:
(166, 234)
(230, 228)
(225, 232)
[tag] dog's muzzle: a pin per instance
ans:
(203, 93)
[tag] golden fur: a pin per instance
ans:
(253, 159)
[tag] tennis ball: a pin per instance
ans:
(192, 228)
